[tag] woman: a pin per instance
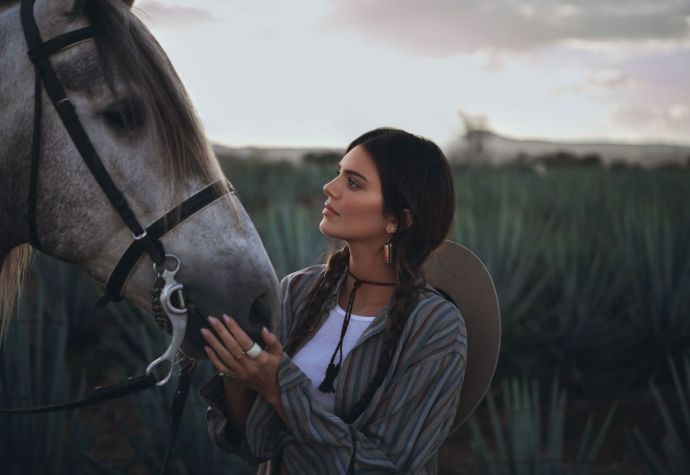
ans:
(370, 373)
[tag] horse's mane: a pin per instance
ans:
(12, 272)
(125, 44)
(128, 49)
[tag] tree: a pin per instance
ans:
(476, 131)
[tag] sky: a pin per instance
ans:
(321, 72)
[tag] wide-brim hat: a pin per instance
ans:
(460, 274)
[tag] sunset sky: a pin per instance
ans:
(320, 72)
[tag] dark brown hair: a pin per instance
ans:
(414, 175)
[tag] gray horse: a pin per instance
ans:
(139, 118)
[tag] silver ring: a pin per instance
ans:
(174, 258)
(228, 375)
(254, 351)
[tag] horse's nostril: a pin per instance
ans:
(260, 314)
(260, 311)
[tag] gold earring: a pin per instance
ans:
(387, 252)
(388, 247)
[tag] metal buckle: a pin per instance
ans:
(66, 110)
(142, 236)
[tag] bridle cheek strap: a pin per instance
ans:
(39, 52)
(35, 155)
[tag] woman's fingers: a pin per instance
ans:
(240, 336)
(215, 361)
(226, 337)
(224, 355)
(273, 345)
(228, 343)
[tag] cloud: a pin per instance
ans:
(444, 27)
(671, 121)
(166, 15)
(607, 79)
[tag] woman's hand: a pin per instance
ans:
(226, 353)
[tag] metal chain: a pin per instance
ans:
(158, 314)
(183, 363)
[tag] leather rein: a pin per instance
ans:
(171, 309)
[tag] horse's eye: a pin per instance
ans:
(124, 114)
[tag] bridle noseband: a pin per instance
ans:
(146, 240)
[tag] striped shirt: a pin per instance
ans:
(401, 429)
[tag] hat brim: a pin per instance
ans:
(459, 273)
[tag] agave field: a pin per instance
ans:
(592, 269)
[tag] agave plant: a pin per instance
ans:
(675, 445)
(194, 451)
(138, 342)
(291, 235)
(662, 268)
(34, 372)
(584, 269)
(521, 445)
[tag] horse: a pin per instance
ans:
(136, 112)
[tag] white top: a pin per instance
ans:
(314, 356)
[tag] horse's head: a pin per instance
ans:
(136, 113)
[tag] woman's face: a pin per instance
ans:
(356, 196)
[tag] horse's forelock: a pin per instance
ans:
(126, 44)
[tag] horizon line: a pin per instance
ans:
(556, 140)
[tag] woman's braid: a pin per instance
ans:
(318, 300)
(404, 301)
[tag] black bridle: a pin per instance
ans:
(146, 240)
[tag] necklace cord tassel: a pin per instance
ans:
(326, 385)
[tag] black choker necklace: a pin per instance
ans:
(326, 385)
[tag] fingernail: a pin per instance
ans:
(212, 319)
(264, 329)
(204, 331)
(227, 318)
